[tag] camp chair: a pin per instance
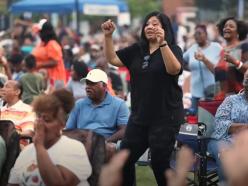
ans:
(11, 138)
(207, 167)
(196, 136)
(188, 136)
(95, 146)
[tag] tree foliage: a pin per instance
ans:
(139, 8)
(224, 8)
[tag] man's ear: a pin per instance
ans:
(105, 86)
(18, 92)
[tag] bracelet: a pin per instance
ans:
(239, 64)
(118, 145)
(163, 45)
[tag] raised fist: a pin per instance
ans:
(108, 27)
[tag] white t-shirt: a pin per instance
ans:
(67, 152)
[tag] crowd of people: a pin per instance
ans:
(44, 70)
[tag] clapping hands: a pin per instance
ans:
(229, 58)
(159, 33)
(199, 56)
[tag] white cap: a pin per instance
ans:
(38, 26)
(75, 50)
(96, 75)
(41, 23)
(95, 47)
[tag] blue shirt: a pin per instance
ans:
(103, 118)
(234, 109)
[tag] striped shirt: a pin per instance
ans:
(20, 114)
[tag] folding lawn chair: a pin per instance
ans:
(196, 136)
(207, 168)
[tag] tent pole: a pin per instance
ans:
(77, 16)
(10, 18)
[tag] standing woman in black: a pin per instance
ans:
(156, 99)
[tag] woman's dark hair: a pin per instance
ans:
(80, 68)
(201, 26)
(47, 33)
(166, 25)
(16, 59)
(242, 28)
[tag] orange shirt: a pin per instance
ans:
(110, 88)
(51, 51)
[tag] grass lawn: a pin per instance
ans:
(144, 176)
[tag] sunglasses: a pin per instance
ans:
(145, 62)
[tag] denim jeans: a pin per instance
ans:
(214, 147)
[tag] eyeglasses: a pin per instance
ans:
(145, 62)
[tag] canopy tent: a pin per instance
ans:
(90, 7)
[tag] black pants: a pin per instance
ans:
(159, 137)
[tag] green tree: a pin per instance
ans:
(139, 8)
(220, 8)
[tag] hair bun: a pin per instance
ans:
(66, 99)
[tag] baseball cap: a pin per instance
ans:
(96, 75)
(95, 47)
(38, 26)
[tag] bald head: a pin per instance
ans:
(14, 84)
(11, 83)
